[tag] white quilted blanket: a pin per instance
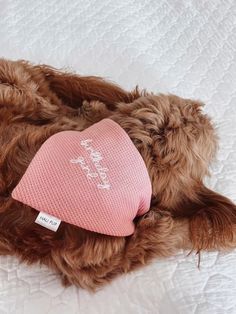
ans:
(184, 47)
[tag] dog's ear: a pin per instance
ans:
(212, 220)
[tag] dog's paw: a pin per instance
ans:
(155, 218)
(94, 110)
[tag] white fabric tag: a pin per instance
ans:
(48, 221)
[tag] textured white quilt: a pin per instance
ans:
(187, 47)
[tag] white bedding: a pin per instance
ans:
(184, 47)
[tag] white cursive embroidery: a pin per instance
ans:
(96, 157)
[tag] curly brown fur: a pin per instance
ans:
(176, 140)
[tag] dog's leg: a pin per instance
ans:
(156, 235)
(103, 259)
(55, 85)
(73, 89)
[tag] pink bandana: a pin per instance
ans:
(95, 179)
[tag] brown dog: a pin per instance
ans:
(176, 140)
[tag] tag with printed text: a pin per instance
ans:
(48, 221)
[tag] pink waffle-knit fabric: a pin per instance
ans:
(95, 179)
